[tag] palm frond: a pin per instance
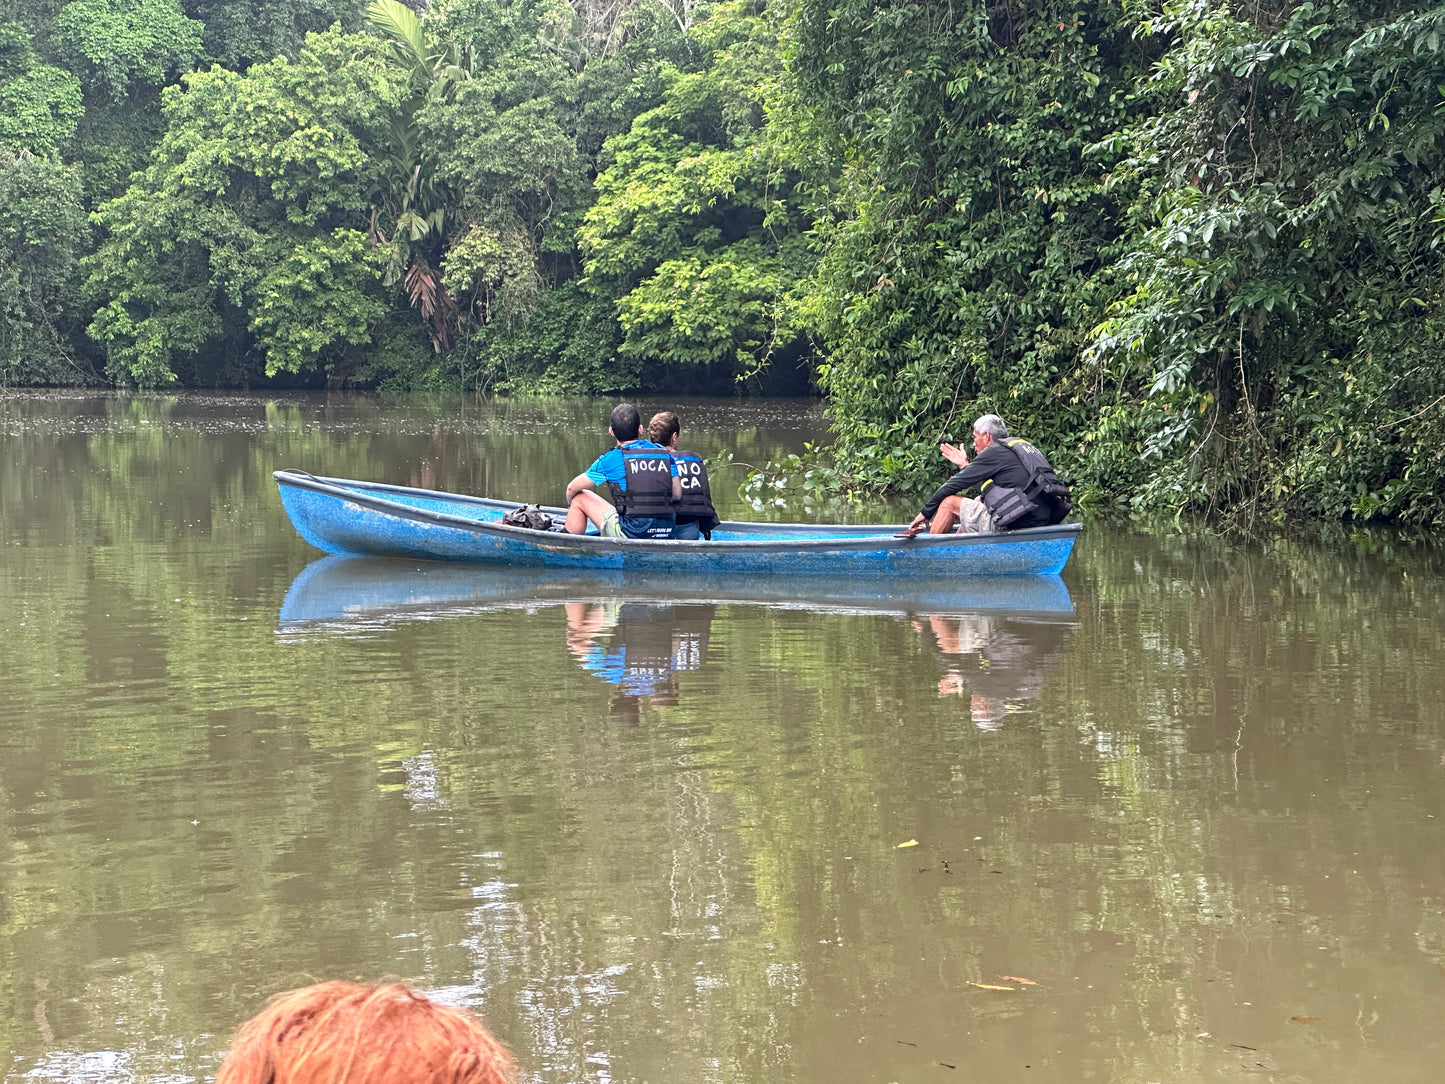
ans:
(399, 23)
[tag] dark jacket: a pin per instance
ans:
(1001, 465)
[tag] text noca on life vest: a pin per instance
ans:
(635, 466)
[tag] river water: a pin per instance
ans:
(1178, 818)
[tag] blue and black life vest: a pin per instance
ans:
(695, 504)
(648, 472)
(1009, 504)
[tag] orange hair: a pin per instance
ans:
(347, 1033)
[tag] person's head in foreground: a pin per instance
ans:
(347, 1033)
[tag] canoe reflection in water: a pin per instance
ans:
(640, 647)
(997, 661)
(998, 635)
(361, 595)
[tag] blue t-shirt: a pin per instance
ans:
(647, 672)
(607, 467)
(645, 677)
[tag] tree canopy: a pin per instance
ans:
(243, 233)
(1191, 247)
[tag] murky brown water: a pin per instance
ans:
(1195, 797)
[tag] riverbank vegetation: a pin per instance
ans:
(1192, 248)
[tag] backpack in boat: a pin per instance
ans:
(529, 516)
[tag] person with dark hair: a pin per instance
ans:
(695, 515)
(1016, 486)
(349, 1033)
(642, 477)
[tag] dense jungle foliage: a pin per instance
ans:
(1191, 247)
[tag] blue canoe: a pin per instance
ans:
(368, 519)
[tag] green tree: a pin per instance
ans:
(1194, 248)
(516, 147)
(239, 35)
(124, 52)
(415, 206)
(1279, 353)
(40, 105)
(698, 228)
(507, 146)
(120, 45)
(974, 240)
(42, 232)
(245, 235)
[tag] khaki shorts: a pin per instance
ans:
(611, 526)
(974, 518)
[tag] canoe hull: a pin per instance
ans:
(352, 518)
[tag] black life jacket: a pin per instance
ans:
(644, 648)
(695, 504)
(649, 483)
(1009, 504)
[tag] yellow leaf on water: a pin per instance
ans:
(989, 986)
(907, 843)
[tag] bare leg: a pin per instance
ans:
(970, 516)
(587, 507)
(945, 632)
(946, 516)
(585, 620)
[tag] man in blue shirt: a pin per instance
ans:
(643, 479)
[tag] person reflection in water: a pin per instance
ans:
(348, 1033)
(639, 647)
(995, 661)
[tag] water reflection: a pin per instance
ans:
(639, 647)
(1210, 832)
(996, 661)
(366, 594)
(999, 636)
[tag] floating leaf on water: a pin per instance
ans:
(1015, 978)
(991, 986)
(1305, 1019)
(907, 843)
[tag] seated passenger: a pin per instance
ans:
(347, 1033)
(695, 515)
(642, 477)
(1016, 486)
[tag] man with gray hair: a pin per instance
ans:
(1017, 487)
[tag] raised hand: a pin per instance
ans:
(954, 454)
